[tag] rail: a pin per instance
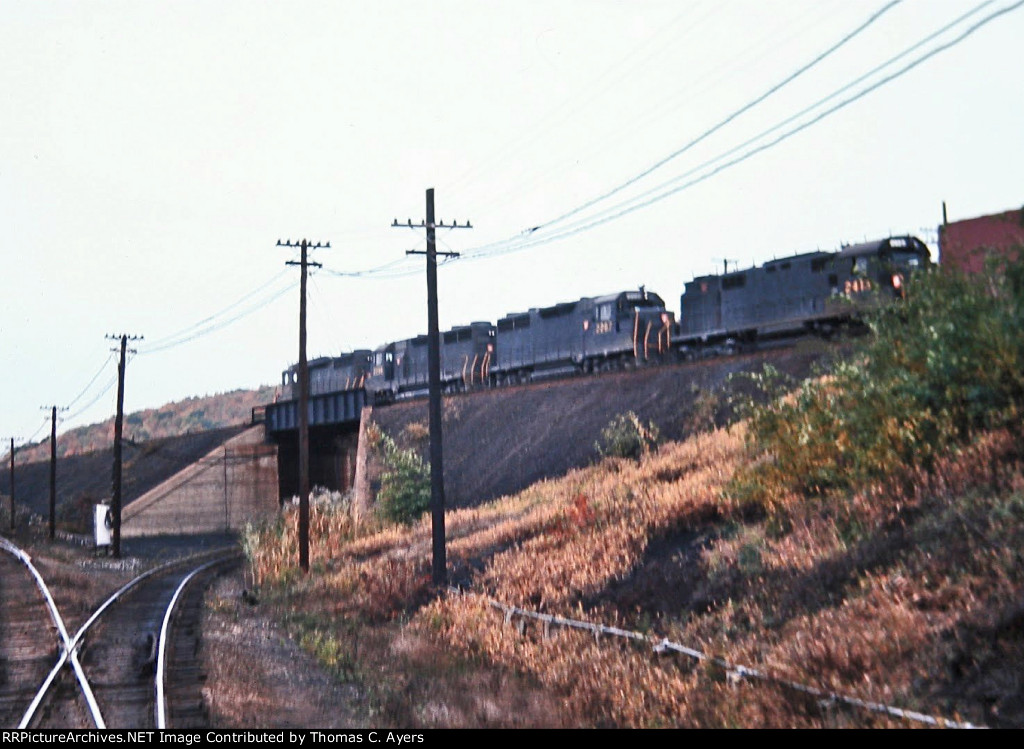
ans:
(68, 647)
(165, 628)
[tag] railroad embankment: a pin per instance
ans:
(83, 480)
(498, 442)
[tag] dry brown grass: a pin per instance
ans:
(906, 593)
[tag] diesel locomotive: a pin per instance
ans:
(816, 292)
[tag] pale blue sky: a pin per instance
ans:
(153, 152)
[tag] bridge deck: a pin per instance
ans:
(341, 407)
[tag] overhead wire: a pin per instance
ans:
(320, 303)
(78, 397)
(401, 267)
(517, 241)
(521, 242)
(199, 332)
(583, 97)
(729, 118)
(530, 238)
(801, 113)
(710, 78)
(106, 388)
(187, 330)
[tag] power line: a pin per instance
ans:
(750, 54)
(581, 98)
(715, 128)
(261, 303)
(801, 113)
(86, 388)
(205, 322)
(90, 404)
(516, 244)
(529, 237)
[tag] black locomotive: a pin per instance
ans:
(329, 374)
(588, 335)
(816, 292)
(400, 368)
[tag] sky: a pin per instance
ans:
(153, 153)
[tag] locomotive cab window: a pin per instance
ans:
(903, 259)
(734, 282)
(604, 312)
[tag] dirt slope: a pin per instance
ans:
(499, 442)
(85, 479)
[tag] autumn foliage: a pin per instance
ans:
(871, 564)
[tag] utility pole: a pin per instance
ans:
(115, 502)
(439, 566)
(303, 264)
(12, 484)
(53, 468)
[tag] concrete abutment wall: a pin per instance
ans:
(229, 486)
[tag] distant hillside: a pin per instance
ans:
(191, 415)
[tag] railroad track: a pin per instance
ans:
(133, 663)
(29, 639)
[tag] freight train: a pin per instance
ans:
(817, 292)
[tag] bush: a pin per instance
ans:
(627, 437)
(404, 493)
(939, 367)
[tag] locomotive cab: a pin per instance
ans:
(634, 324)
(882, 267)
(382, 374)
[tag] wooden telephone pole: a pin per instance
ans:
(439, 565)
(304, 264)
(53, 468)
(115, 502)
(12, 484)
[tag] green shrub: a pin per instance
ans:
(943, 364)
(627, 437)
(404, 493)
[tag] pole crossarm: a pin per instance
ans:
(426, 225)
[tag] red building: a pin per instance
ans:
(965, 244)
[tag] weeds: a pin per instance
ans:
(627, 437)
(863, 537)
(404, 493)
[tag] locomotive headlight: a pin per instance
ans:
(897, 281)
